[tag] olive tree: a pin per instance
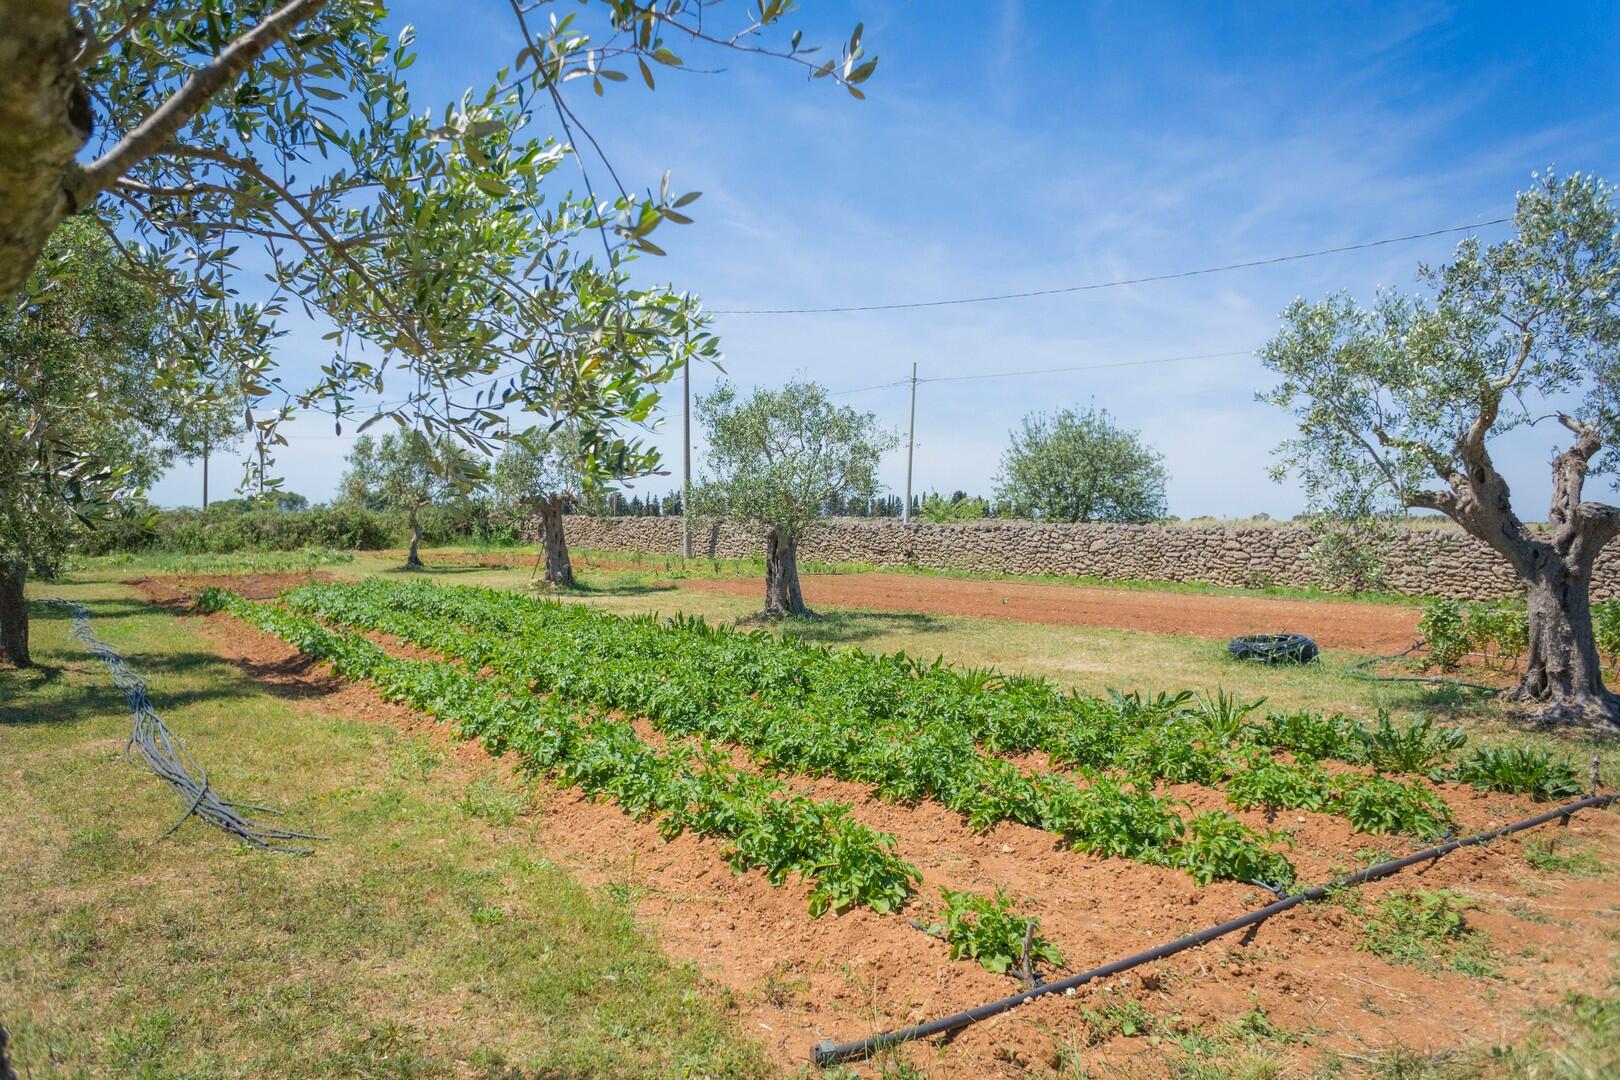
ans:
(1080, 466)
(435, 246)
(779, 459)
(408, 471)
(1399, 402)
(207, 137)
(83, 425)
(539, 470)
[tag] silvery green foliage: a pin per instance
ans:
(538, 464)
(1079, 465)
(257, 159)
(780, 457)
(1396, 401)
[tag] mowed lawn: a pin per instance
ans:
(430, 935)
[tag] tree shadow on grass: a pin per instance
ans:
(624, 588)
(41, 612)
(842, 627)
(43, 695)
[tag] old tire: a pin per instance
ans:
(1273, 648)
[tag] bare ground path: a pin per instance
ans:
(1334, 624)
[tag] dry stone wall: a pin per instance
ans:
(1423, 562)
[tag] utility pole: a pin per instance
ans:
(911, 447)
(686, 462)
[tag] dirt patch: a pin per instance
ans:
(1333, 624)
(179, 588)
(798, 980)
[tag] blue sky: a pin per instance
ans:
(1021, 146)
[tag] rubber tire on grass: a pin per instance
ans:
(1273, 648)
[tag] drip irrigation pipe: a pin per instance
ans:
(1362, 669)
(168, 757)
(828, 1052)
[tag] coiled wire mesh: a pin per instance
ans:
(168, 757)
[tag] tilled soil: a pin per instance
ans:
(1334, 624)
(170, 588)
(798, 980)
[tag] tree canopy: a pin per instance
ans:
(83, 427)
(212, 139)
(408, 471)
(1398, 402)
(538, 464)
(1080, 466)
(781, 456)
(780, 459)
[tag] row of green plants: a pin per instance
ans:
(580, 660)
(719, 681)
(689, 787)
(1498, 632)
(301, 560)
(1422, 746)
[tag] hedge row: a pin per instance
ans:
(343, 527)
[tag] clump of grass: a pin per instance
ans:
(488, 801)
(1552, 855)
(1121, 1016)
(415, 759)
(1428, 930)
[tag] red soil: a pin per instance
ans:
(1335, 624)
(797, 980)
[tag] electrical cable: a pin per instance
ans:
(168, 757)
(1118, 282)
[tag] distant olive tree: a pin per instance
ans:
(779, 459)
(1397, 403)
(408, 471)
(1080, 466)
(539, 470)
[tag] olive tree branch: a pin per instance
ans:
(152, 134)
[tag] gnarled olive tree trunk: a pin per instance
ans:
(1562, 666)
(413, 560)
(559, 570)
(782, 595)
(14, 613)
(1563, 679)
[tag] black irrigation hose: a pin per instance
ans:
(168, 757)
(828, 1052)
(1362, 669)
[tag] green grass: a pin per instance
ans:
(1429, 930)
(177, 959)
(428, 935)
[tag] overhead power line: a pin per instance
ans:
(1117, 283)
(1048, 371)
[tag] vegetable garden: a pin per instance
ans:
(715, 731)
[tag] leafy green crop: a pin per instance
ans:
(1519, 770)
(911, 730)
(987, 929)
(688, 787)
